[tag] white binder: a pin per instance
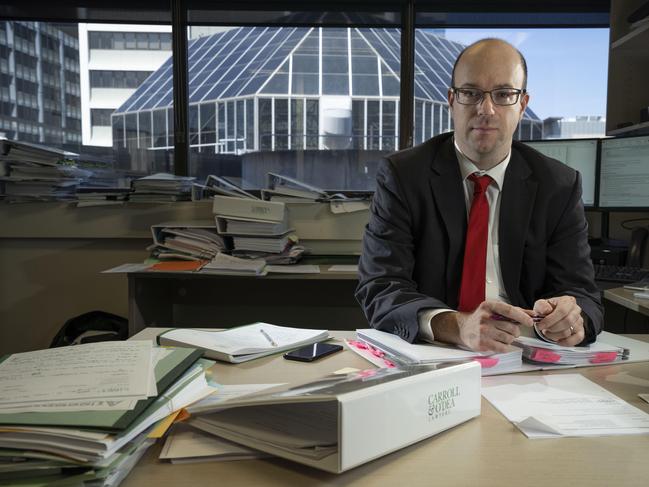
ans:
(343, 421)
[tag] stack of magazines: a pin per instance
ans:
(69, 416)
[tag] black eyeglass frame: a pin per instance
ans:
(518, 92)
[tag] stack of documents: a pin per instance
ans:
(235, 266)
(536, 350)
(255, 226)
(31, 172)
(244, 342)
(82, 413)
(162, 187)
(232, 226)
(553, 406)
(185, 444)
(186, 241)
(403, 352)
(271, 245)
(217, 185)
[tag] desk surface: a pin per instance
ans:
(487, 450)
(624, 297)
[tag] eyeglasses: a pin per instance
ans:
(501, 96)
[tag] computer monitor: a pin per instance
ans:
(579, 154)
(624, 174)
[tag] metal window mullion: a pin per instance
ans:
(319, 64)
(304, 122)
(349, 60)
(380, 125)
(288, 127)
(365, 134)
(272, 123)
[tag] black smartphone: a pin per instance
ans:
(312, 352)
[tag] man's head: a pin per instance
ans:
(484, 130)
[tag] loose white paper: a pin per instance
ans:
(552, 406)
(119, 369)
(343, 268)
(126, 268)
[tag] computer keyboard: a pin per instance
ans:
(618, 273)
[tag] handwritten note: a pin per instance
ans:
(90, 371)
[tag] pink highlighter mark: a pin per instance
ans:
(486, 362)
(545, 355)
(603, 357)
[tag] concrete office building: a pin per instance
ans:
(268, 89)
(574, 127)
(114, 60)
(39, 83)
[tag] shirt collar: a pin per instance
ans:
(467, 167)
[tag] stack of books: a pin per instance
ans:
(32, 172)
(162, 187)
(71, 415)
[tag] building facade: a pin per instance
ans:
(39, 83)
(270, 89)
(114, 60)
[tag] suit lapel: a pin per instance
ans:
(518, 194)
(448, 193)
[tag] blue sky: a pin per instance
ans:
(567, 68)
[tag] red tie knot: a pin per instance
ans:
(480, 183)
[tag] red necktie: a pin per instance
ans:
(472, 288)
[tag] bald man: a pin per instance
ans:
(473, 237)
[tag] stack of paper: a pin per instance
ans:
(264, 244)
(33, 172)
(235, 266)
(553, 406)
(86, 410)
(407, 353)
(162, 187)
(244, 342)
(254, 227)
(186, 241)
(185, 444)
(541, 351)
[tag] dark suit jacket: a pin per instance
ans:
(414, 242)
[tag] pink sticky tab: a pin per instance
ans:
(545, 355)
(603, 357)
(388, 363)
(486, 362)
(359, 345)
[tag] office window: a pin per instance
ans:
(567, 76)
(100, 116)
(281, 89)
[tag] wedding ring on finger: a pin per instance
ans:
(572, 330)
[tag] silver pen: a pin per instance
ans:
(268, 337)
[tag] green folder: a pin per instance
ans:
(167, 371)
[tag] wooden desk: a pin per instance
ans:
(324, 300)
(485, 451)
(624, 297)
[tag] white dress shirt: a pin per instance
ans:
(494, 287)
